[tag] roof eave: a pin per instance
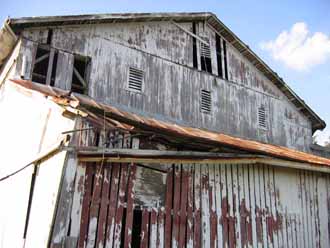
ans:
(19, 23)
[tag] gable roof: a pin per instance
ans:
(132, 121)
(208, 17)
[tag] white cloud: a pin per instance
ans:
(298, 49)
(322, 137)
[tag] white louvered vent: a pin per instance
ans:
(206, 101)
(262, 117)
(135, 79)
(205, 49)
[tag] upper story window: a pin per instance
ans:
(135, 79)
(79, 82)
(61, 69)
(45, 63)
(224, 45)
(206, 101)
(205, 52)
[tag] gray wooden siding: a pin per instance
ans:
(172, 87)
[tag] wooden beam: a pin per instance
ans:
(108, 152)
(50, 66)
(41, 58)
(81, 79)
(190, 33)
(153, 156)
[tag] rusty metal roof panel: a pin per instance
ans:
(134, 120)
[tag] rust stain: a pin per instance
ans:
(224, 220)
(274, 224)
(246, 224)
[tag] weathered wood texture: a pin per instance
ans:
(214, 205)
(172, 87)
(37, 123)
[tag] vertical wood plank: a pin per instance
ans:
(252, 196)
(301, 197)
(104, 207)
(176, 205)
(249, 210)
(120, 204)
(323, 213)
(153, 227)
(237, 178)
(160, 228)
(130, 206)
(168, 207)
(218, 204)
(190, 204)
(278, 209)
(50, 66)
(268, 208)
(315, 210)
(85, 206)
(299, 227)
(326, 217)
(112, 204)
(242, 206)
(213, 215)
(230, 207)
(294, 230)
(311, 207)
(64, 70)
(197, 206)
(263, 205)
(258, 209)
(224, 206)
(78, 197)
(144, 229)
(272, 200)
(183, 206)
(94, 207)
(205, 203)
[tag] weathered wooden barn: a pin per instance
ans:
(152, 130)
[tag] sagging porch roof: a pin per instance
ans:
(132, 121)
(208, 17)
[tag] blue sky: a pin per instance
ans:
(305, 65)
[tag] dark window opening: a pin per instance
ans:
(123, 224)
(219, 55)
(206, 101)
(225, 58)
(79, 75)
(205, 50)
(49, 36)
(44, 68)
(195, 62)
(40, 68)
(53, 75)
(137, 225)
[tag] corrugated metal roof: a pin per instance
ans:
(210, 18)
(151, 124)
